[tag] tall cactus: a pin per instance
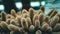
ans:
(3, 16)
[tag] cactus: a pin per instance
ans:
(25, 32)
(25, 15)
(59, 17)
(50, 12)
(24, 11)
(28, 21)
(53, 21)
(41, 17)
(14, 22)
(38, 32)
(4, 28)
(46, 28)
(42, 8)
(18, 19)
(8, 16)
(46, 19)
(24, 23)
(12, 32)
(3, 25)
(15, 28)
(8, 21)
(13, 13)
(3, 16)
(56, 27)
(31, 13)
(53, 13)
(37, 24)
(32, 28)
(15, 32)
(36, 17)
(40, 11)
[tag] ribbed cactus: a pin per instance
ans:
(37, 24)
(41, 17)
(56, 27)
(13, 13)
(42, 8)
(40, 11)
(3, 16)
(53, 13)
(25, 32)
(24, 11)
(38, 32)
(35, 17)
(59, 17)
(15, 28)
(14, 22)
(8, 16)
(50, 12)
(24, 23)
(4, 28)
(12, 32)
(53, 21)
(8, 21)
(25, 15)
(46, 28)
(3, 25)
(28, 21)
(32, 28)
(46, 19)
(18, 19)
(0, 15)
(31, 13)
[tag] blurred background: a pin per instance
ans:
(18, 5)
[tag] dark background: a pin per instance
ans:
(49, 4)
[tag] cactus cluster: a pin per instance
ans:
(30, 22)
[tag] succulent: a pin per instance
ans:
(40, 11)
(59, 17)
(8, 21)
(46, 28)
(18, 19)
(24, 23)
(41, 17)
(32, 28)
(37, 24)
(42, 8)
(25, 15)
(3, 16)
(36, 17)
(38, 32)
(14, 22)
(49, 14)
(46, 19)
(12, 32)
(13, 13)
(25, 32)
(28, 21)
(3, 25)
(53, 21)
(56, 27)
(15, 28)
(24, 11)
(31, 13)
(8, 16)
(53, 13)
